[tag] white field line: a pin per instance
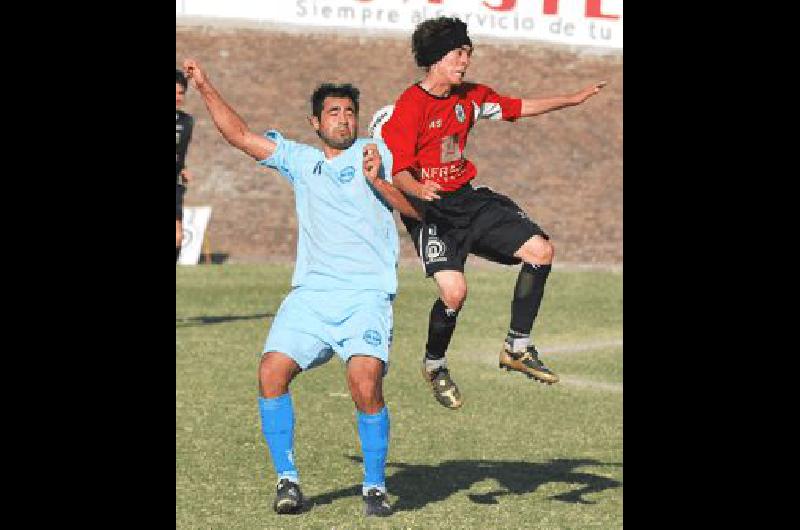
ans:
(576, 348)
(587, 383)
(555, 350)
(577, 382)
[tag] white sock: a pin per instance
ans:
(517, 343)
(365, 489)
(434, 364)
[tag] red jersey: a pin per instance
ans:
(427, 134)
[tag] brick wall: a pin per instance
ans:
(563, 168)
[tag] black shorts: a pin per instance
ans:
(470, 220)
(179, 191)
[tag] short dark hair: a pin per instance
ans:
(325, 90)
(436, 37)
(180, 79)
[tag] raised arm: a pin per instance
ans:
(536, 106)
(371, 167)
(231, 125)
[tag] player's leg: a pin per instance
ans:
(518, 351)
(289, 349)
(442, 251)
(505, 234)
(365, 379)
(452, 287)
(363, 334)
(275, 373)
(537, 256)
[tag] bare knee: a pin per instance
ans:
(275, 373)
(367, 395)
(538, 251)
(547, 252)
(365, 379)
(455, 298)
(452, 290)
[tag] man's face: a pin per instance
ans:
(338, 123)
(453, 66)
(179, 91)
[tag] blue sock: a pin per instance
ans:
(277, 424)
(373, 431)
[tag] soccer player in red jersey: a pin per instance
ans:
(426, 130)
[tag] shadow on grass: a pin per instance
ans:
(204, 320)
(415, 486)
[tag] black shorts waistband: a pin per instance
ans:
(466, 188)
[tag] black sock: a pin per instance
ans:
(527, 297)
(440, 329)
(177, 253)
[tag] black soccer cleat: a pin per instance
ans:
(528, 363)
(376, 504)
(444, 388)
(288, 498)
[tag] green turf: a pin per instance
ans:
(519, 454)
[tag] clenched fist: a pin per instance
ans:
(193, 71)
(372, 162)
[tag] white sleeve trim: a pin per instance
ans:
(492, 111)
(378, 119)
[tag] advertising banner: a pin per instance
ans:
(195, 221)
(594, 23)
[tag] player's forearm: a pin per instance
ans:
(230, 124)
(536, 106)
(396, 199)
(406, 183)
(232, 127)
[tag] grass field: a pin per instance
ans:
(518, 454)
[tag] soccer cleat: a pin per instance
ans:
(528, 363)
(376, 504)
(288, 498)
(444, 388)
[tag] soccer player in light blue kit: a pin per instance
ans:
(344, 280)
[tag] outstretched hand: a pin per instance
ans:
(589, 91)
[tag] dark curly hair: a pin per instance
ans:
(436, 37)
(338, 91)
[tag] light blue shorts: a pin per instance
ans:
(311, 325)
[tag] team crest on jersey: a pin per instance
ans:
(372, 337)
(460, 114)
(347, 174)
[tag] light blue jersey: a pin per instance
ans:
(347, 236)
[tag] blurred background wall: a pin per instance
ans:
(563, 168)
